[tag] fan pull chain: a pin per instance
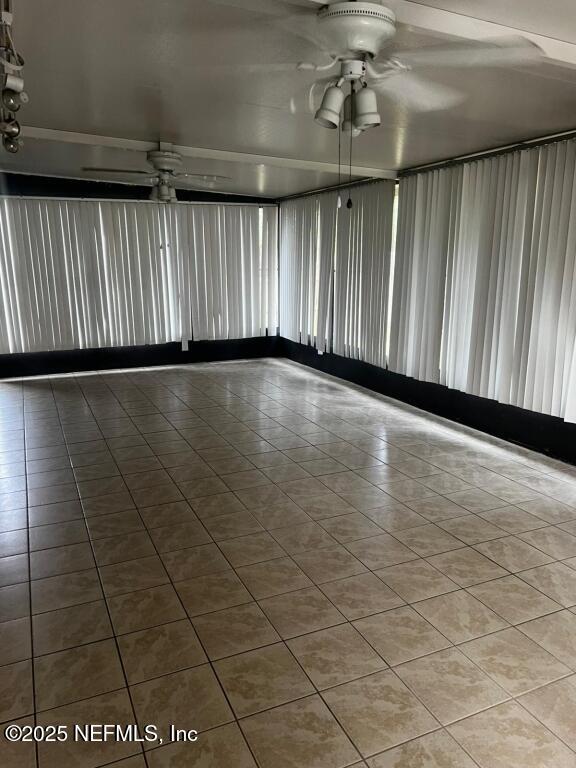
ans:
(352, 116)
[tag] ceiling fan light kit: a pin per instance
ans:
(328, 115)
(13, 95)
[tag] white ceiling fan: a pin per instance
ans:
(165, 174)
(355, 37)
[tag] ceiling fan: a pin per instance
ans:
(165, 174)
(355, 37)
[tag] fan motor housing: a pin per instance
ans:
(352, 28)
(163, 160)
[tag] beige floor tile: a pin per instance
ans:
(513, 519)
(335, 655)
(58, 534)
(66, 590)
(17, 754)
(427, 540)
(145, 608)
(476, 500)
(381, 551)
(351, 527)
(107, 504)
(280, 515)
(401, 635)
(344, 482)
(222, 747)
(514, 661)
(112, 707)
(556, 580)
(324, 565)
(553, 541)
(118, 549)
(69, 627)
(513, 599)
(247, 550)
(185, 564)
(212, 593)
(435, 750)
(303, 538)
(506, 736)
(378, 712)
(190, 699)
(436, 508)
(172, 537)
(14, 602)
(472, 529)
(299, 612)
(263, 678)
(407, 490)
(144, 573)
(13, 570)
(550, 510)
(160, 651)
(513, 554)
(161, 494)
(14, 542)
(302, 733)
(555, 633)
(262, 496)
(416, 580)
(324, 505)
(555, 706)
(450, 685)
(395, 517)
(173, 513)
(365, 500)
(233, 525)
(53, 562)
(467, 567)
(459, 616)
(16, 691)
(273, 577)
(115, 524)
(362, 595)
(15, 642)
(319, 467)
(77, 673)
(234, 630)
(16, 519)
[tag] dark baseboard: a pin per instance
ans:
(545, 434)
(77, 360)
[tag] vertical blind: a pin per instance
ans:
(78, 274)
(485, 287)
(334, 271)
(308, 238)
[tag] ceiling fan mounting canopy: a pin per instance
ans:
(356, 28)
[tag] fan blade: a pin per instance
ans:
(248, 69)
(496, 52)
(122, 171)
(417, 94)
(206, 178)
(271, 8)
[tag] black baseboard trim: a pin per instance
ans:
(544, 434)
(78, 360)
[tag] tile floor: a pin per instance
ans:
(309, 575)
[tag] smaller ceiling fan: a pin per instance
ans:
(165, 175)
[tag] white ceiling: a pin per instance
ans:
(107, 78)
